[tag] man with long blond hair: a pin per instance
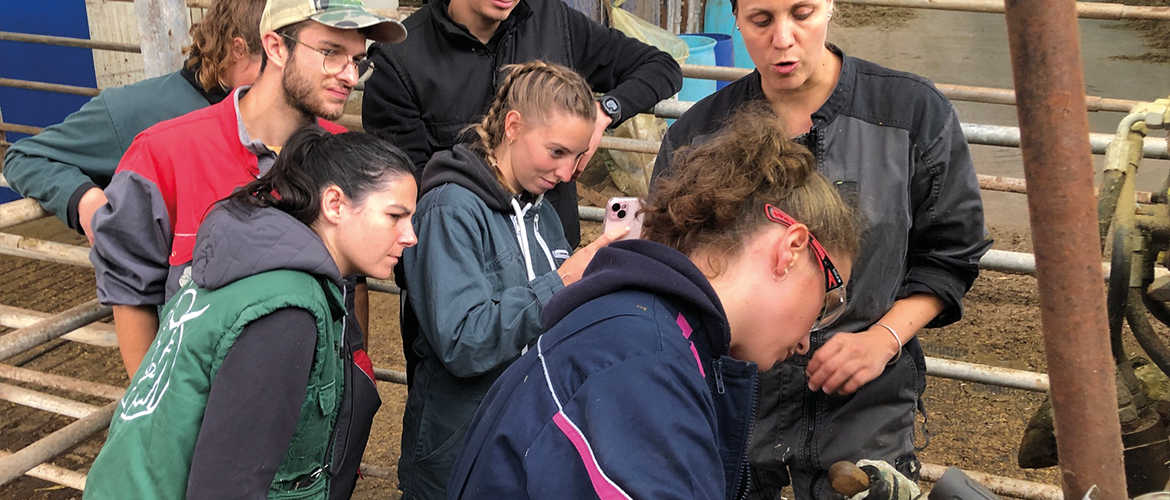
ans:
(67, 166)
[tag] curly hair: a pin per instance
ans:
(534, 88)
(715, 198)
(210, 53)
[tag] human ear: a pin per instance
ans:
(512, 122)
(239, 49)
(793, 241)
(274, 48)
(332, 201)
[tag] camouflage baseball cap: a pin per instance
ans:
(344, 14)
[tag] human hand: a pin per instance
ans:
(848, 361)
(572, 269)
(90, 202)
(602, 123)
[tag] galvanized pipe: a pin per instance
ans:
(54, 474)
(1049, 80)
(33, 248)
(384, 286)
(64, 383)
(1084, 10)
(20, 211)
(8, 36)
(1000, 485)
(48, 87)
(23, 339)
(97, 334)
(47, 402)
(985, 374)
(967, 93)
(392, 376)
(15, 465)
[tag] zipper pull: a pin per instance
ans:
(719, 376)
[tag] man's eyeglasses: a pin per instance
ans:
(336, 62)
(834, 286)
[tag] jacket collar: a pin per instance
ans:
(458, 33)
(839, 101)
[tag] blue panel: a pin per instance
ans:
(43, 63)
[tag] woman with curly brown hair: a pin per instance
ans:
(67, 165)
(645, 385)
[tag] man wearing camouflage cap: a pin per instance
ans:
(314, 56)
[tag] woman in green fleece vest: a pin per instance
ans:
(239, 395)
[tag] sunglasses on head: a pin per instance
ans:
(834, 285)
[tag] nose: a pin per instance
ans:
(349, 75)
(802, 346)
(564, 171)
(782, 36)
(408, 238)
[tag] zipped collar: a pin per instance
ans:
(458, 33)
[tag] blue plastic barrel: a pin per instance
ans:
(702, 52)
(724, 53)
(719, 19)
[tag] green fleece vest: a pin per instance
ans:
(148, 451)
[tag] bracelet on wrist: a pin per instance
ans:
(897, 339)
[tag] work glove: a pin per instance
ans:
(886, 483)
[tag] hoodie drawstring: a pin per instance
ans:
(522, 236)
(539, 239)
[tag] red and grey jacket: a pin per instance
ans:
(165, 184)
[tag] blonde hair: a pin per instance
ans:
(210, 54)
(715, 198)
(534, 89)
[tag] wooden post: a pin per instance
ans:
(164, 26)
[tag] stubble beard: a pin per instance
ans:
(301, 95)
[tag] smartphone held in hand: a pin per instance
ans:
(622, 212)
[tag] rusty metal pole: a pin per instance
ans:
(1050, 85)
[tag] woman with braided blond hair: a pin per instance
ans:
(491, 255)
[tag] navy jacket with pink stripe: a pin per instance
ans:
(630, 394)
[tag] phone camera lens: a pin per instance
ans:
(616, 207)
(621, 214)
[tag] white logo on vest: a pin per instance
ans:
(144, 396)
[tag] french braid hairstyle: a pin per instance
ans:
(534, 89)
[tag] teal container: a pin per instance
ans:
(718, 18)
(702, 53)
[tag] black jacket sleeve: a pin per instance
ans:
(947, 237)
(636, 74)
(253, 409)
(390, 109)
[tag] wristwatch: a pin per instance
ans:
(611, 107)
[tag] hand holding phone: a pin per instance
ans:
(623, 212)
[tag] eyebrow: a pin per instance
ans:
(331, 45)
(566, 148)
(401, 207)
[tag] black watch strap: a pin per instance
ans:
(611, 107)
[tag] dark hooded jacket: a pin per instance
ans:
(478, 280)
(630, 394)
(263, 395)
